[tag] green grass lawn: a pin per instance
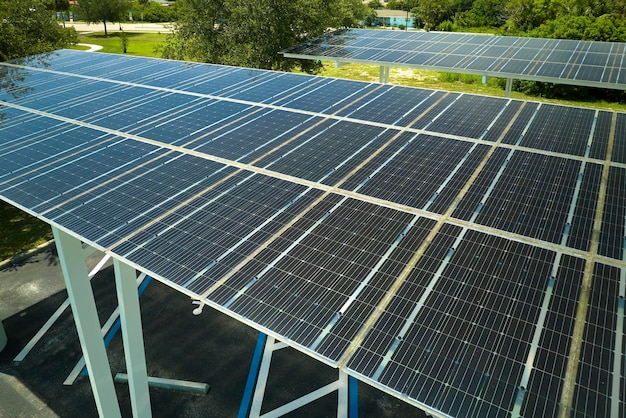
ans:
(462, 83)
(140, 44)
(19, 231)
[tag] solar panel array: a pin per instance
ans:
(595, 64)
(439, 246)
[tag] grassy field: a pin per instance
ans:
(19, 231)
(140, 44)
(463, 83)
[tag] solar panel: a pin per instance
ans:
(435, 245)
(586, 63)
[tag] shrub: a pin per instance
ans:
(446, 26)
(459, 78)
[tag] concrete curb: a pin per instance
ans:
(16, 259)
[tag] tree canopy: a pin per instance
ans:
(96, 11)
(26, 28)
(250, 33)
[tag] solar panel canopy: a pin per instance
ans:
(453, 250)
(584, 63)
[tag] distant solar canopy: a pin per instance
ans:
(463, 253)
(584, 63)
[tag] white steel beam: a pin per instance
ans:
(87, 322)
(132, 336)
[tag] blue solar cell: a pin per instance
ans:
(433, 242)
(613, 221)
(494, 55)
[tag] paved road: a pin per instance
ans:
(127, 27)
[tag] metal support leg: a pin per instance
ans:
(384, 74)
(83, 305)
(509, 87)
(347, 406)
(132, 336)
(342, 395)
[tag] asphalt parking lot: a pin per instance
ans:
(209, 348)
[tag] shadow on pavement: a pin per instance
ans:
(210, 348)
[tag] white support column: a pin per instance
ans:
(83, 305)
(342, 395)
(132, 337)
(509, 87)
(381, 77)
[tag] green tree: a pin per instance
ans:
(63, 7)
(26, 28)
(522, 14)
(432, 12)
(152, 11)
(250, 33)
(483, 13)
(590, 7)
(375, 4)
(607, 28)
(406, 5)
(96, 11)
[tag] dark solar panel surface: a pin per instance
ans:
(599, 64)
(435, 245)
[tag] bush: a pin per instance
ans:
(446, 26)
(154, 12)
(608, 28)
(460, 78)
(401, 27)
(124, 41)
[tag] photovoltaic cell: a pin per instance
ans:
(592, 397)
(380, 337)
(619, 147)
(413, 176)
(532, 197)
(601, 136)
(327, 155)
(596, 64)
(573, 124)
(327, 96)
(351, 321)
(613, 233)
(306, 291)
(392, 106)
(579, 234)
(458, 359)
(473, 199)
(546, 378)
(462, 117)
(434, 243)
(519, 127)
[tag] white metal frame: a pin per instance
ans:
(80, 294)
(340, 385)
